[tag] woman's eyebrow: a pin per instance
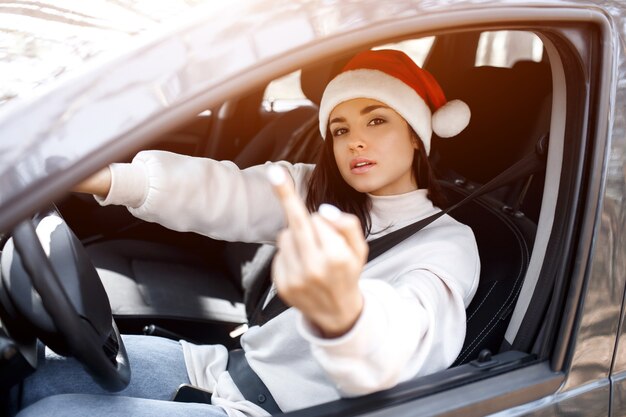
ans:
(373, 107)
(364, 110)
(337, 120)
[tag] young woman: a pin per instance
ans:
(355, 327)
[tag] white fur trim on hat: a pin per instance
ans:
(451, 118)
(377, 85)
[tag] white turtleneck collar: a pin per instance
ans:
(394, 211)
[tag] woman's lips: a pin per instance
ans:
(361, 165)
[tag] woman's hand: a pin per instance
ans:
(98, 184)
(319, 261)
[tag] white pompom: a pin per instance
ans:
(451, 119)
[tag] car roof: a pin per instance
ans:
(100, 111)
(45, 41)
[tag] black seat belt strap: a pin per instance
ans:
(528, 165)
(249, 383)
(524, 167)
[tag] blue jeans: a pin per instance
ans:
(61, 386)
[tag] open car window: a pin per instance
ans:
(505, 222)
(504, 48)
(285, 92)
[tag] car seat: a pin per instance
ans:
(510, 116)
(505, 242)
(510, 112)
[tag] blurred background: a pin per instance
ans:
(42, 40)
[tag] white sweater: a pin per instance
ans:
(415, 295)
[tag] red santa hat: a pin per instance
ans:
(391, 77)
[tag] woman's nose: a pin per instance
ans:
(357, 144)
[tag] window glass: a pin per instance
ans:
(506, 47)
(285, 94)
(417, 49)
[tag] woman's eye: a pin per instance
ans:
(340, 131)
(376, 121)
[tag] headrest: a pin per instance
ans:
(507, 106)
(314, 78)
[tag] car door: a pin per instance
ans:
(559, 350)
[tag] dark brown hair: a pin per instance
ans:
(328, 186)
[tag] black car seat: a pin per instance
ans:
(505, 235)
(521, 93)
(505, 243)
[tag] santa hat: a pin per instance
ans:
(391, 77)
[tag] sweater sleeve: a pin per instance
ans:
(411, 325)
(192, 194)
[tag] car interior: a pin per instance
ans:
(183, 285)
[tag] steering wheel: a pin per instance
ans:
(50, 289)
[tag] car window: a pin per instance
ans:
(503, 48)
(284, 93)
(417, 49)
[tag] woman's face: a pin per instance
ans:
(373, 147)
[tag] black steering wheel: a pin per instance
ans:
(50, 289)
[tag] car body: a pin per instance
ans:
(178, 81)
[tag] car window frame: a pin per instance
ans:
(529, 377)
(549, 372)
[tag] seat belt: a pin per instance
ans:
(530, 164)
(249, 383)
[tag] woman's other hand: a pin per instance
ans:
(319, 261)
(98, 184)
